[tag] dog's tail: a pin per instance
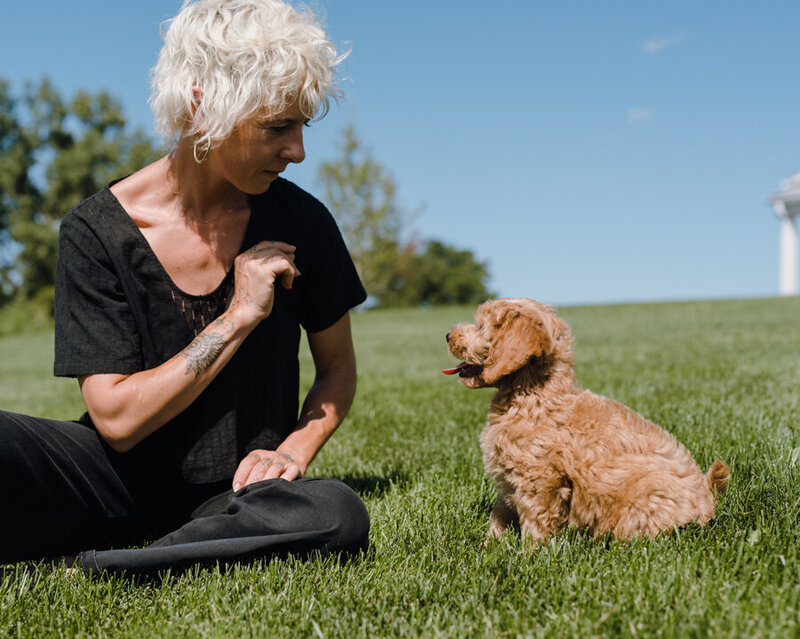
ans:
(717, 477)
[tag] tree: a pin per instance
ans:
(17, 192)
(53, 154)
(362, 196)
(439, 275)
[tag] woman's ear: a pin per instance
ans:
(520, 335)
(197, 95)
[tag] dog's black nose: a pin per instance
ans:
(447, 337)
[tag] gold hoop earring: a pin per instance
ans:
(205, 153)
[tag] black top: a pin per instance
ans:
(118, 311)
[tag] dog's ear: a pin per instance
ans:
(518, 337)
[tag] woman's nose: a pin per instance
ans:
(295, 151)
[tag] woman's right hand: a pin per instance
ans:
(256, 271)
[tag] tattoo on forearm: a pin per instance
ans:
(241, 290)
(206, 347)
(202, 352)
(225, 326)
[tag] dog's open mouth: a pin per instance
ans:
(464, 370)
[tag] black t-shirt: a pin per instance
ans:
(118, 311)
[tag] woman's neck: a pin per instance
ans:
(204, 196)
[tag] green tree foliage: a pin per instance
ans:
(362, 195)
(54, 153)
(439, 275)
(16, 189)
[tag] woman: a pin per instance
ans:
(180, 292)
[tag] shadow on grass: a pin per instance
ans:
(35, 572)
(374, 486)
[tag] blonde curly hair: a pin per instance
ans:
(224, 60)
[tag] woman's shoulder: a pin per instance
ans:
(91, 212)
(96, 225)
(99, 204)
(299, 210)
(291, 195)
(108, 204)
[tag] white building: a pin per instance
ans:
(787, 206)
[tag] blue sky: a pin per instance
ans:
(589, 151)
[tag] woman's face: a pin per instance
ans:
(259, 149)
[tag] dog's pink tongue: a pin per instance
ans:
(453, 371)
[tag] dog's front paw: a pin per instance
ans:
(495, 533)
(491, 537)
(499, 519)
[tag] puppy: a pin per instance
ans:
(564, 456)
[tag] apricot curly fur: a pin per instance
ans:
(565, 456)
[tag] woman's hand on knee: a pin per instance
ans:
(261, 464)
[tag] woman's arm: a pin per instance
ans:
(324, 409)
(127, 408)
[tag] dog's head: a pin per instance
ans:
(508, 336)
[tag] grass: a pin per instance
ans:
(722, 376)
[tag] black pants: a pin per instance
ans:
(62, 491)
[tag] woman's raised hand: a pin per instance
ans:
(256, 271)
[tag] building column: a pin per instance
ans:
(789, 246)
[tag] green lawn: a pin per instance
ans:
(724, 377)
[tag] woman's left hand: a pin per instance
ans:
(265, 464)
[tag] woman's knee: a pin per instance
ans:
(346, 515)
(314, 513)
(34, 444)
(17, 443)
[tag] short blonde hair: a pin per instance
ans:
(244, 56)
